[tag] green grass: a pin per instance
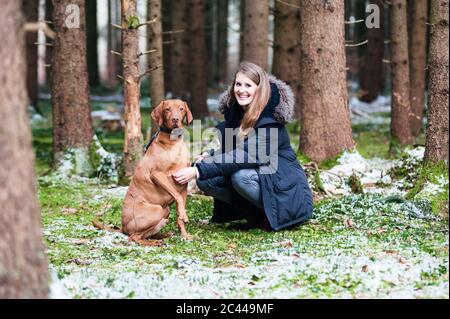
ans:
(357, 228)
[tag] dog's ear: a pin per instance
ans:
(157, 114)
(189, 117)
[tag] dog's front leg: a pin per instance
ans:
(163, 181)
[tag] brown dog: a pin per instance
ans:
(152, 189)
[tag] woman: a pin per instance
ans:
(257, 107)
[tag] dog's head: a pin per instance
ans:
(171, 114)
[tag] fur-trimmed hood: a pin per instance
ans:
(280, 105)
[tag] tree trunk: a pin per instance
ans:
(24, 266)
(167, 44)
(48, 49)
(197, 54)
(400, 114)
(222, 42)
(210, 33)
(371, 68)
(92, 36)
(256, 33)
(155, 59)
(72, 124)
(180, 49)
(418, 56)
(325, 120)
(111, 71)
(31, 15)
(241, 29)
(286, 55)
(437, 130)
(132, 151)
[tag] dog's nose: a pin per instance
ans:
(175, 119)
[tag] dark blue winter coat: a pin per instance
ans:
(286, 196)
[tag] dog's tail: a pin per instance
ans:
(102, 226)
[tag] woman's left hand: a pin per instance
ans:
(185, 175)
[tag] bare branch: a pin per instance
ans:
(356, 44)
(147, 22)
(147, 52)
(386, 61)
(47, 65)
(46, 44)
(168, 42)
(120, 77)
(288, 4)
(149, 71)
(39, 26)
(354, 22)
(117, 26)
(173, 32)
(116, 53)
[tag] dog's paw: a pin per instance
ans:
(184, 218)
(188, 237)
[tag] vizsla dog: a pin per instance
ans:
(152, 189)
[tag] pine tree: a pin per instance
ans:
(436, 148)
(325, 120)
(24, 266)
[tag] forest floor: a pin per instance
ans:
(385, 243)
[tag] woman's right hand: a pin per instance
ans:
(199, 158)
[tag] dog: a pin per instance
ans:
(152, 190)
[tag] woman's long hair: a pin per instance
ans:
(262, 95)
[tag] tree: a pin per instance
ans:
(197, 58)
(256, 33)
(222, 42)
(23, 263)
(48, 49)
(371, 68)
(132, 149)
(31, 15)
(325, 120)
(180, 49)
(417, 55)
(400, 114)
(155, 42)
(286, 55)
(167, 43)
(436, 148)
(72, 124)
(112, 70)
(92, 37)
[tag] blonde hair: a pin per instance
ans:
(262, 95)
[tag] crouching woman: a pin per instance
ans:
(269, 191)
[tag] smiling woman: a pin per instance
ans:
(257, 106)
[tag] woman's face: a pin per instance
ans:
(244, 89)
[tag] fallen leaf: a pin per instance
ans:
(349, 223)
(81, 241)
(232, 246)
(381, 230)
(365, 268)
(402, 260)
(295, 255)
(69, 211)
(285, 243)
(80, 262)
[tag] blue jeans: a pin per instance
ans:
(245, 182)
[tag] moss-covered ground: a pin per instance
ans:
(356, 246)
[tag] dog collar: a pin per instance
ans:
(173, 132)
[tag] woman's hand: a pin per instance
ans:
(185, 175)
(199, 158)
